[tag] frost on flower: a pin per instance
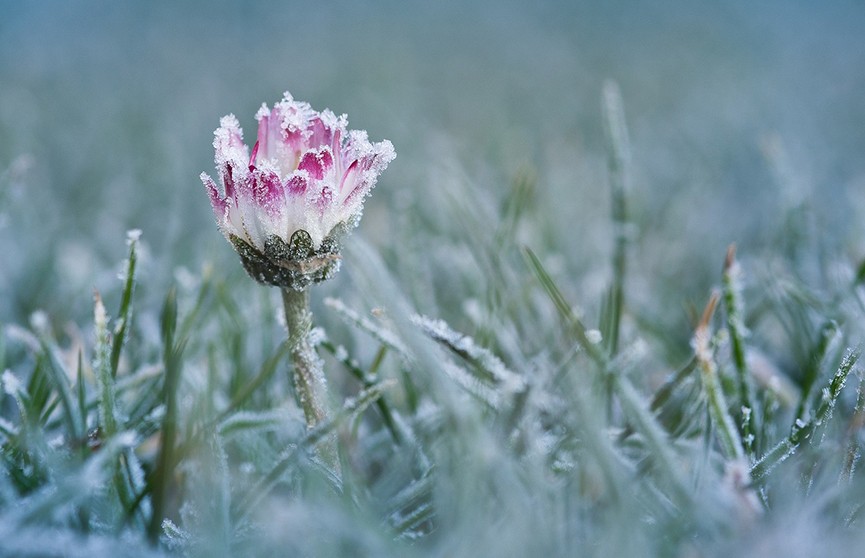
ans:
(285, 204)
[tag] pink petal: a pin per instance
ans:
(269, 130)
(263, 129)
(361, 188)
(326, 158)
(216, 201)
(229, 135)
(267, 191)
(254, 155)
(319, 133)
(228, 181)
(316, 163)
(336, 144)
(325, 199)
(296, 184)
(349, 178)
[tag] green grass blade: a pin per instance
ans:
(381, 334)
(829, 333)
(121, 330)
(733, 306)
(108, 419)
(566, 313)
(804, 430)
(161, 479)
(728, 436)
(465, 347)
(60, 378)
(367, 380)
(618, 158)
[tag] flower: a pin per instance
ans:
(286, 205)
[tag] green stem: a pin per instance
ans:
(310, 385)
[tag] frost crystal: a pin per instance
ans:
(285, 204)
(11, 383)
(132, 236)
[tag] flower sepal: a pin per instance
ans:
(294, 265)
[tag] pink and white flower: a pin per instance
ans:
(305, 179)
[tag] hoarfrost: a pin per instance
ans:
(155, 416)
(18, 333)
(11, 383)
(341, 353)
(472, 384)
(317, 336)
(125, 439)
(174, 537)
(465, 346)
(383, 335)
(132, 236)
(7, 427)
(262, 112)
(594, 336)
(39, 321)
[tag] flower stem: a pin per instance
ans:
(310, 385)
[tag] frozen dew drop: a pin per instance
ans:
(594, 336)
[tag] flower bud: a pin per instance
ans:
(286, 206)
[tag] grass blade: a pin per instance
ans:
(618, 159)
(570, 319)
(121, 330)
(804, 430)
(60, 378)
(321, 432)
(729, 438)
(161, 479)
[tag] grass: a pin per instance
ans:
(542, 340)
(526, 430)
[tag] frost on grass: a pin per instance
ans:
(465, 347)
(382, 334)
(11, 383)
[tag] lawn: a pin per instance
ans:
(607, 300)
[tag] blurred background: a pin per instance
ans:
(738, 112)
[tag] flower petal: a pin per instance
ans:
(349, 178)
(297, 184)
(227, 173)
(268, 192)
(254, 155)
(306, 171)
(317, 163)
(228, 141)
(216, 201)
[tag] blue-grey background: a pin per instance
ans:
(107, 111)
